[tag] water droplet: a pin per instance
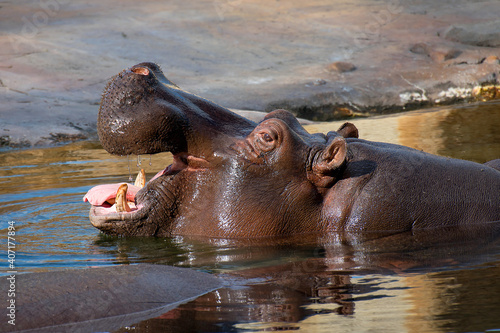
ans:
(138, 160)
(129, 172)
(150, 159)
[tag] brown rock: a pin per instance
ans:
(491, 60)
(485, 34)
(341, 67)
(46, 90)
(486, 92)
(437, 54)
(421, 48)
(440, 56)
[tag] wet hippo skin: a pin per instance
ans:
(102, 299)
(233, 178)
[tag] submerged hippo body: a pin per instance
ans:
(232, 177)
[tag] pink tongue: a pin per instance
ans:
(158, 174)
(99, 194)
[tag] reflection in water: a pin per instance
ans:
(455, 301)
(343, 283)
(327, 286)
(469, 132)
(41, 191)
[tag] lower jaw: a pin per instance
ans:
(101, 216)
(126, 225)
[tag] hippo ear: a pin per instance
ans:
(348, 130)
(328, 161)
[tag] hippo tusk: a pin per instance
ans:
(140, 180)
(121, 199)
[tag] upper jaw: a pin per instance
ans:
(139, 113)
(142, 112)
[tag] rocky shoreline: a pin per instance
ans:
(320, 59)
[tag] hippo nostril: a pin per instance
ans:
(141, 71)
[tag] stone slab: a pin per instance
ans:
(322, 59)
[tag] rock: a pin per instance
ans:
(491, 60)
(486, 34)
(440, 56)
(341, 67)
(421, 48)
(435, 53)
(486, 92)
(256, 116)
(243, 55)
(319, 82)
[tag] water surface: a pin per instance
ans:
(292, 285)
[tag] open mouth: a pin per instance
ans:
(120, 198)
(117, 198)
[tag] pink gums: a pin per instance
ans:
(98, 195)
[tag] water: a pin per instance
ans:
(300, 285)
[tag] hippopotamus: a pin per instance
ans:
(235, 178)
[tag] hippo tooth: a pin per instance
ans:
(140, 180)
(121, 199)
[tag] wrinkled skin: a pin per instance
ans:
(233, 178)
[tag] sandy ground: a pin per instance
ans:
(321, 59)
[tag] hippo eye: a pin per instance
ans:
(266, 140)
(266, 137)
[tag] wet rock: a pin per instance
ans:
(6, 141)
(486, 34)
(453, 94)
(341, 67)
(486, 92)
(316, 108)
(258, 116)
(66, 138)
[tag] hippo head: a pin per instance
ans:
(230, 177)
